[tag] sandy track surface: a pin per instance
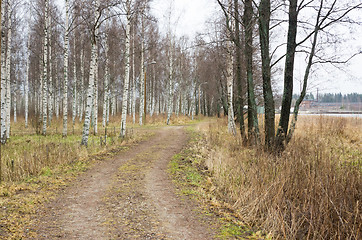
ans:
(128, 197)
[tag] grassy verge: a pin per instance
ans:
(42, 167)
(311, 191)
(193, 178)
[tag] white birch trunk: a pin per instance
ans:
(26, 87)
(8, 72)
(127, 73)
(81, 97)
(51, 91)
(40, 90)
(153, 93)
(89, 106)
(106, 83)
(229, 79)
(15, 107)
(134, 82)
(142, 78)
(194, 105)
(57, 97)
(45, 71)
(95, 110)
(108, 104)
(65, 87)
(3, 76)
(113, 104)
(75, 97)
(90, 93)
(170, 95)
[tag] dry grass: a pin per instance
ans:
(27, 154)
(312, 191)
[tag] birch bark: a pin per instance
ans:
(90, 93)
(170, 96)
(133, 79)
(15, 107)
(3, 76)
(45, 70)
(229, 80)
(127, 70)
(81, 97)
(26, 87)
(95, 110)
(8, 72)
(106, 82)
(75, 95)
(65, 87)
(51, 91)
(142, 78)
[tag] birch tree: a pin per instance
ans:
(51, 89)
(127, 70)
(95, 92)
(93, 64)
(81, 97)
(45, 69)
(26, 84)
(75, 95)
(8, 70)
(65, 86)
(106, 79)
(229, 76)
(170, 86)
(142, 73)
(3, 76)
(134, 82)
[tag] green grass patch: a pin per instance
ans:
(193, 179)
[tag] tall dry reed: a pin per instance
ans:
(312, 191)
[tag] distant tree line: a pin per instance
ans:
(333, 97)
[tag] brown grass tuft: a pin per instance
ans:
(312, 191)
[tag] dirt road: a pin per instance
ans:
(128, 197)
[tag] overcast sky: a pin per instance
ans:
(189, 17)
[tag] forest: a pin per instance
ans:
(112, 124)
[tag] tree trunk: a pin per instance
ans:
(26, 87)
(8, 72)
(288, 76)
(65, 86)
(81, 97)
(264, 20)
(127, 73)
(134, 82)
(306, 75)
(51, 89)
(142, 79)
(106, 81)
(3, 76)
(45, 70)
(240, 102)
(253, 128)
(93, 65)
(229, 79)
(170, 87)
(75, 95)
(95, 105)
